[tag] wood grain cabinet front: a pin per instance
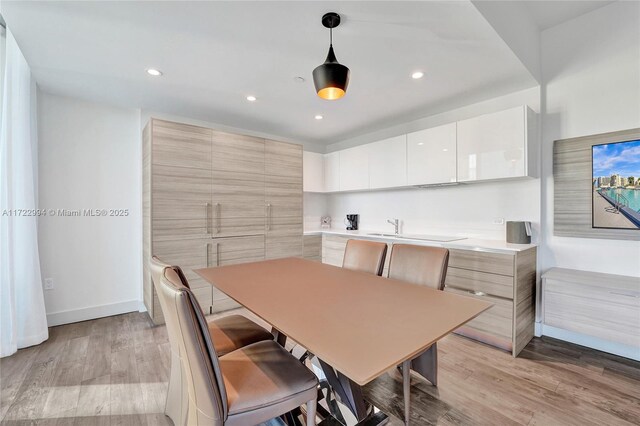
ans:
(214, 198)
(283, 200)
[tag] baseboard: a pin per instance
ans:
(92, 312)
(592, 342)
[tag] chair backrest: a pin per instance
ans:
(205, 384)
(421, 265)
(365, 256)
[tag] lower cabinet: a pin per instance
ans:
(231, 251)
(312, 247)
(593, 304)
(507, 280)
(190, 254)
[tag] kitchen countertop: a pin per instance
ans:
(495, 246)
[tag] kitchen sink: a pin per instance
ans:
(438, 238)
(376, 234)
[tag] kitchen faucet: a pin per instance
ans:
(394, 222)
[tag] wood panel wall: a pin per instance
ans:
(572, 174)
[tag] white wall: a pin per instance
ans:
(89, 158)
(591, 71)
(468, 209)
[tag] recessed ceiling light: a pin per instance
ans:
(445, 149)
(318, 117)
(154, 72)
(420, 143)
(416, 75)
(251, 98)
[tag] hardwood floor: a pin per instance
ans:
(113, 371)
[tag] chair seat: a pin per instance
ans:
(263, 375)
(234, 332)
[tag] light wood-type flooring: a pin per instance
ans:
(113, 371)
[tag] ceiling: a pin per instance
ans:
(214, 54)
(549, 13)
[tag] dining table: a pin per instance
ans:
(358, 325)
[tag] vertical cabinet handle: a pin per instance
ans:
(217, 254)
(218, 218)
(206, 219)
(206, 253)
(268, 217)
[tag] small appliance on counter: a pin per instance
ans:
(325, 222)
(519, 232)
(352, 222)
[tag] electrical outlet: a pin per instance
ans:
(48, 284)
(498, 221)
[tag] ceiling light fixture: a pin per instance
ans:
(251, 98)
(331, 78)
(318, 117)
(154, 72)
(417, 75)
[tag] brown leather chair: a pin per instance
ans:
(229, 333)
(365, 256)
(421, 265)
(245, 387)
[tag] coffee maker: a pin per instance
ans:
(352, 222)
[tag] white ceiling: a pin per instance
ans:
(549, 13)
(213, 54)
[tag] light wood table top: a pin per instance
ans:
(360, 324)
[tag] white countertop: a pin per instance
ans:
(497, 246)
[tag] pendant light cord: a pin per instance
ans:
(330, 36)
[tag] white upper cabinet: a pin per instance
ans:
(332, 172)
(313, 172)
(354, 168)
(431, 155)
(495, 146)
(388, 163)
(500, 145)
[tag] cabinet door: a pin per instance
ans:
(431, 155)
(181, 145)
(332, 172)
(283, 197)
(283, 159)
(492, 146)
(388, 163)
(313, 172)
(238, 204)
(189, 254)
(180, 179)
(181, 201)
(231, 251)
(237, 153)
(283, 216)
(354, 168)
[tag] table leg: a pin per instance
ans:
(406, 389)
(426, 364)
(350, 393)
(279, 337)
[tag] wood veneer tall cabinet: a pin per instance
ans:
(213, 198)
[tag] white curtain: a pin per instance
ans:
(23, 319)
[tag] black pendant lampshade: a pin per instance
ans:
(331, 78)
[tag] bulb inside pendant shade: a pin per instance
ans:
(331, 78)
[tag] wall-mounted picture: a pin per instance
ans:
(616, 185)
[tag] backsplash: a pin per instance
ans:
(465, 210)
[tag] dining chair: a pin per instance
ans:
(248, 386)
(229, 333)
(427, 266)
(365, 256)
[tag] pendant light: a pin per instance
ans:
(331, 78)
